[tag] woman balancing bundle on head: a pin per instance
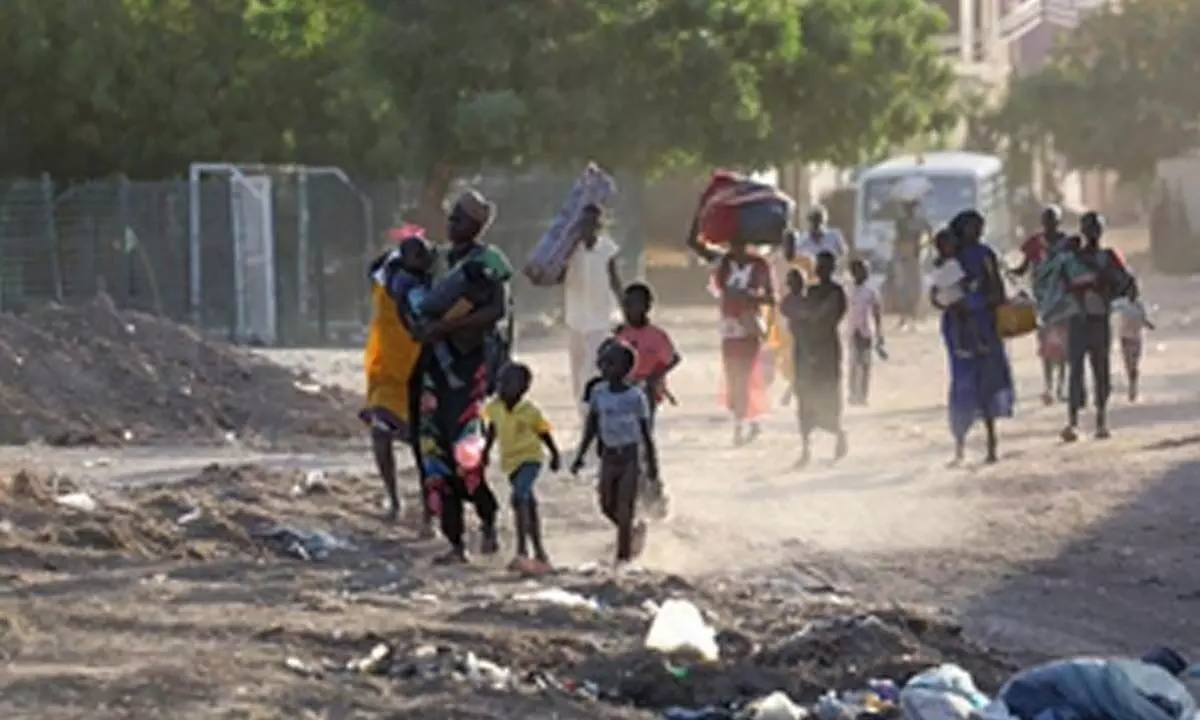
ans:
(734, 215)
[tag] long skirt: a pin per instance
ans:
(745, 386)
(981, 386)
(819, 385)
(449, 430)
(389, 358)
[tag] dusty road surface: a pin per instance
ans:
(202, 571)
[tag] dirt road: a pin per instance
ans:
(1056, 549)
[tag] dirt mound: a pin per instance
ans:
(93, 374)
(246, 511)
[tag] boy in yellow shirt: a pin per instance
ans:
(521, 430)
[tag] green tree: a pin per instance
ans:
(440, 89)
(646, 84)
(144, 87)
(1115, 95)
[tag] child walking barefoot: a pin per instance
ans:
(1132, 322)
(521, 430)
(655, 358)
(619, 414)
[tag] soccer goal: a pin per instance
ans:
(259, 266)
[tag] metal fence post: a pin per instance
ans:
(368, 209)
(195, 297)
(51, 230)
(303, 240)
(128, 240)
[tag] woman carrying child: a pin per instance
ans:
(742, 281)
(450, 432)
(980, 382)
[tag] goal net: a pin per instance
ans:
(276, 253)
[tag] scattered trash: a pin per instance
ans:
(80, 501)
(190, 517)
(945, 692)
(850, 705)
(314, 482)
(300, 667)
(588, 568)
(308, 388)
(704, 713)
(98, 462)
(1096, 687)
(377, 662)
(678, 627)
(304, 544)
(776, 706)
(486, 673)
(558, 596)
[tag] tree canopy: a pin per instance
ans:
(1116, 94)
(435, 88)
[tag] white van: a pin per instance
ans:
(953, 181)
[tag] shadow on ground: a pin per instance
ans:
(1133, 581)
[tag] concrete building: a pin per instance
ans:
(987, 41)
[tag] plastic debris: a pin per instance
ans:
(377, 662)
(558, 596)
(304, 544)
(80, 501)
(314, 482)
(704, 713)
(776, 706)
(944, 691)
(300, 667)
(679, 627)
(486, 673)
(189, 517)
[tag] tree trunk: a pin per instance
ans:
(434, 187)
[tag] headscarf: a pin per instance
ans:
(960, 222)
(475, 206)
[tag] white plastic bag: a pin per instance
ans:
(776, 706)
(911, 188)
(678, 626)
(922, 704)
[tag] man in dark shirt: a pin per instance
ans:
(1103, 278)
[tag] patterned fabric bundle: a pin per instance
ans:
(734, 206)
(547, 264)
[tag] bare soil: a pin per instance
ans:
(184, 594)
(186, 601)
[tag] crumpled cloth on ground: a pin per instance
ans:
(1093, 689)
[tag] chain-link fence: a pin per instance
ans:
(178, 249)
